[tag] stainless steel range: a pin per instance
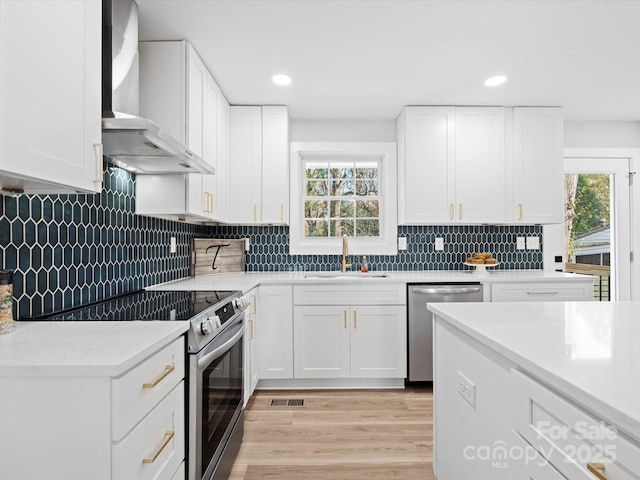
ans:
(215, 365)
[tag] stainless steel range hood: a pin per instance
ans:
(131, 141)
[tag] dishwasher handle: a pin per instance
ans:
(452, 289)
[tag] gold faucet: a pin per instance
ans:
(345, 252)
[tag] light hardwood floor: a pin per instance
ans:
(354, 434)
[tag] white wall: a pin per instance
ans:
(343, 131)
(602, 134)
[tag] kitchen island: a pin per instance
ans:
(537, 390)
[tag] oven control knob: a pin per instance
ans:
(241, 303)
(206, 327)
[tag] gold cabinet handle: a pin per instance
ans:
(344, 318)
(255, 212)
(282, 212)
(598, 470)
(250, 329)
(254, 304)
(520, 211)
(99, 149)
(452, 211)
(168, 436)
(543, 293)
(460, 212)
(211, 203)
(167, 370)
(205, 202)
(355, 320)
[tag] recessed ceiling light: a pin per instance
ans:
(281, 79)
(495, 81)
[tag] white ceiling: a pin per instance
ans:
(366, 59)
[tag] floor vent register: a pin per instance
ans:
(284, 402)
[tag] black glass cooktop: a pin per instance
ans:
(146, 305)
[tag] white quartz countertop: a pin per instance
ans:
(588, 351)
(249, 280)
(41, 348)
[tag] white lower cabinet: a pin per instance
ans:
(350, 341)
(250, 347)
(98, 427)
(530, 465)
(350, 331)
(274, 332)
(574, 441)
(542, 292)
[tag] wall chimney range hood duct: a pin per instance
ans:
(129, 140)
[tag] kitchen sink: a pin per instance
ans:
(345, 275)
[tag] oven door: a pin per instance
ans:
(216, 399)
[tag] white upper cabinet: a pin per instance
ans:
(190, 111)
(220, 193)
(426, 152)
(258, 170)
(50, 92)
(537, 165)
(452, 165)
(245, 164)
(480, 165)
(275, 164)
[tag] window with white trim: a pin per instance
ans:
(343, 189)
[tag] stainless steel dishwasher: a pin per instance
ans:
(420, 323)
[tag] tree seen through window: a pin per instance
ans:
(341, 198)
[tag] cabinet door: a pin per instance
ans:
(50, 119)
(378, 341)
(426, 165)
(274, 332)
(245, 164)
(201, 191)
(250, 348)
(196, 83)
(321, 336)
(275, 164)
(537, 167)
(220, 195)
(481, 182)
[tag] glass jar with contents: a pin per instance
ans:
(6, 302)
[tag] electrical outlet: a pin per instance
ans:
(439, 243)
(520, 245)
(467, 390)
(247, 244)
(173, 246)
(533, 243)
(402, 243)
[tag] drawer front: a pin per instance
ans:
(139, 390)
(180, 474)
(341, 294)
(155, 448)
(569, 437)
(541, 292)
(529, 464)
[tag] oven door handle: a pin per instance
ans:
(207, 358)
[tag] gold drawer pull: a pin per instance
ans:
(168, 437)
(598, 470)
(344, 318)
(355, 320)
(452, 211)
(543, 293)
(167, 370)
